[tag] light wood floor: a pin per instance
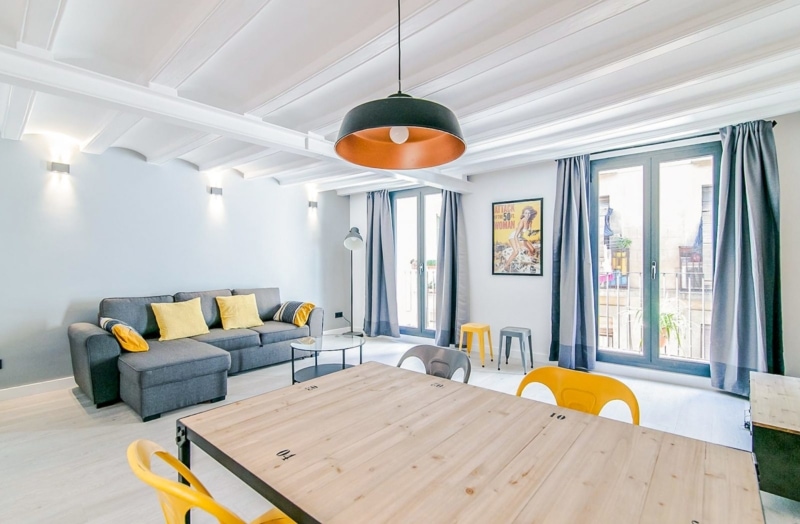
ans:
(62, 460)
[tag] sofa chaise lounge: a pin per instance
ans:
(178, 373)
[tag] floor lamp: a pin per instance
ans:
(352, 242)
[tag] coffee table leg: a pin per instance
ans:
(185, 456)
(343, 352)
(293, 380)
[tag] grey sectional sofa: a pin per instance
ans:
(183, 372)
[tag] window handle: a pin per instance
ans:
(653, 269)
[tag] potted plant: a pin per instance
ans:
(669, 325)
(622, 243)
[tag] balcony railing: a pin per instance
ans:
(685, 308)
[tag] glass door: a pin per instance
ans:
(416, 245)
(654, 251)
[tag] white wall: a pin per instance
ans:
(117, 226)
(787, 142)
(508, 300)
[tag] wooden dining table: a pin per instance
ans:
(375, 443)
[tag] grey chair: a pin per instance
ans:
(440, 362)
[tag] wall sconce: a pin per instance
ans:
(215, 191)
(58, 167)
(312, 204)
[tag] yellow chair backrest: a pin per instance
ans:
(176, 498)
(582, 391)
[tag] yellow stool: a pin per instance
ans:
(479, 329)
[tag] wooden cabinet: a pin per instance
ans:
(775, 416)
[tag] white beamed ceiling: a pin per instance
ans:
(261, 86)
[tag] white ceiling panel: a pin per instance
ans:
(153, 139)
(56, 114)
(224, 147)
(13, 16)
(127, 39)
(283, 39)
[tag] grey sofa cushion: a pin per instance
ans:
(231, 339)
(134, 311)
(274, 331)
(172, 361)
(268, 300)
(208, 303)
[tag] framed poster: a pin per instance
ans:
(517, 237)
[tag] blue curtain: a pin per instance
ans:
(574, 324)
(746, 332)
(380, 309)
(452, 286)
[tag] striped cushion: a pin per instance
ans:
(294, 312)
(128, 338)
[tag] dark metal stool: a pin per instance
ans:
(524, 336)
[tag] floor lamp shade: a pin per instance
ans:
(353, 239)
(352, 242)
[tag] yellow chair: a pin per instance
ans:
(176, 498)
(582, 391)
(478, 329)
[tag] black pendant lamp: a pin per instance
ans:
(400, 132)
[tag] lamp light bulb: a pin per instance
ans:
(398, 134)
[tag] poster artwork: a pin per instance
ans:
(517, 237)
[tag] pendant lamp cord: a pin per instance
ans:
(399, 84)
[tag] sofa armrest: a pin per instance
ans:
(315, 322)
(94, 352)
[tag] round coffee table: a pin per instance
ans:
(324, 343)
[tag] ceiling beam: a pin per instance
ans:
(768, 71)
(751, 96)
(332, 173)
(736, 14)
(40, 25)
(72, 82)
(431, 179)
(551, 24)
(359, 179)
(270, 172)
(112, 129)
(390, 185)
(18, 111)
(321, 75)
(222, 24)
(710, 117)
(188, 144)
(237, 158)
(563, 21)
(61, 79)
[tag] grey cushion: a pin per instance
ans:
(268, 300)
(208, 303)
(231, 339)
(134, 311)
(274, 331)
(172, 361)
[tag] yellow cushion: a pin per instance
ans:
(301, 316)
(238, 311)
(129, 339)
(180, 319)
